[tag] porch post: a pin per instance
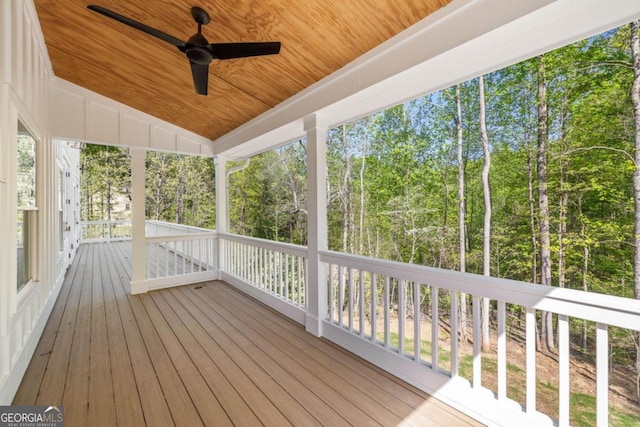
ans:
(138, 232)
(222, 210)
(316, 132)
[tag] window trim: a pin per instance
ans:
(24, 292)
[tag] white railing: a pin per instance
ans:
(105, 231)
(408, 312)
(181, 258)
(179, 254)
(275, 268)
(176, 254)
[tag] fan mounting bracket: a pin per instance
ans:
(200, 15)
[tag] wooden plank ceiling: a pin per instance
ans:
(318, 37)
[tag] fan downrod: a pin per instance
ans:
(200, 15)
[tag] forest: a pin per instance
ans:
(530, 172)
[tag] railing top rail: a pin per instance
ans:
(114, 221)
(176, 226)
(181, 237)
(297, 250)
(612, 310)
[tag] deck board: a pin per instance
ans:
(201, 355)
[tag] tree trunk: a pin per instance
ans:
(585, 282)
(445, 216)
(532, 218)
(486, 232)
(564, 194)
(543, 201)
(635, 101)
(346, 192)
(461, 215)
(345, 196)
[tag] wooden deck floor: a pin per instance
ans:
(201, 355)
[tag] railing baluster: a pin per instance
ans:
(157, 266)
(255, 255)
(297, 284)
(417, 323)
(166, 259)
(305, 265)
(341, 280)
(374, 305)
(477, 344)
(300, 282)
(147, 262)
(361, 301)
(435, 332)
(602, 374)
(531, 360)
(279, 277)
(454, 333)
(387, 308)
(564, 387)
(274, 272)
(502, 351)
(261, 275)
(287, 277)
(350, 270)
(332, 298)
(401, 315)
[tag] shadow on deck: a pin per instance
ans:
(201, 355)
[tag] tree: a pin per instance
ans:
(543, 200)
(105, 177)
(635, 102)
(486, 235)
(462, 243)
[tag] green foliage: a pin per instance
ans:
(392, 176)
(268, 198)
(105, 184)
(180, 189)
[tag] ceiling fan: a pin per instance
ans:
(197, 48)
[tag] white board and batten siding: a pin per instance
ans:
(82, 115)
(25, 73)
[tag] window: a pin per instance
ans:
(27, 206)
(61, 194)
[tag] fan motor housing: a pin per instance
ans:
(197, 50)
(199, 55)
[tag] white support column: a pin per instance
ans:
(317, 222)
(138, 232)
(222, 208)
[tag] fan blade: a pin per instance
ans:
(200, 77)
(242, 50)
(142, 27)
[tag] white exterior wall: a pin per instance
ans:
(82, 115)
(25, 73)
